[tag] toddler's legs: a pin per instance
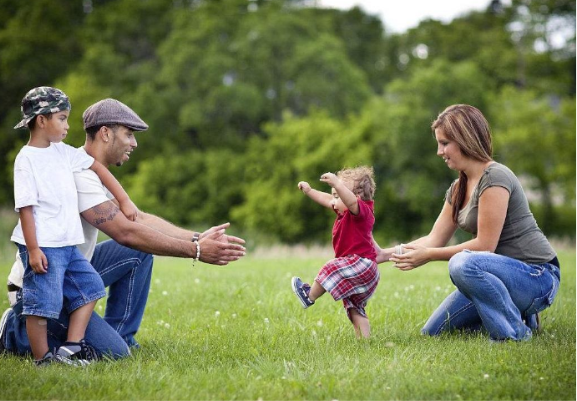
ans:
(79, 321)
(360, 323)
(316, 291)
(37, 335)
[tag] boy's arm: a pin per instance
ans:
(322, 198)
(126, 206)
(36, 258)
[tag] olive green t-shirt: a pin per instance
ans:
(521, 238)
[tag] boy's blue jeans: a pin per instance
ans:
(496, 292)
(127, 273)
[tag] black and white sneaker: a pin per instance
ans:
(302, 291)
(3, 322)
(46, 360)
(76, 354)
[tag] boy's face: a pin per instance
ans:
(56, 128)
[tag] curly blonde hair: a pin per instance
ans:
(363, 179)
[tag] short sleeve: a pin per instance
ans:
(449, 193)
(25, 189)
(495, 177)
(79, 160)
(365, 209)
(90, 190)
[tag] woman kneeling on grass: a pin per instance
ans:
(508, 272)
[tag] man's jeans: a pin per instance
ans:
(496, 292)
(127, 273)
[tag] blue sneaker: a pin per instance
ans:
(302, 290)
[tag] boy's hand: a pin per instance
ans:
(330, 179)
(129, 209)
(37, 261)
(304, 186)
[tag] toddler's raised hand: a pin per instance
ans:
(330, 179)
(304, 186)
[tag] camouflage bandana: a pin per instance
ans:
(42, 100)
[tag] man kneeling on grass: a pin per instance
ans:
(124, 262)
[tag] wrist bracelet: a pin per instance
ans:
(197, 252)
(195, 240)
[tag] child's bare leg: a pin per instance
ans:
(78, 322)
(37, 335)
(361, 324)
(316, 291)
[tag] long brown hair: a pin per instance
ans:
(467, 126)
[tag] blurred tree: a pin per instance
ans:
(543, 32)
(39, 43)
(299, 149)
(535, 137)
(411, 178)
(190, 188)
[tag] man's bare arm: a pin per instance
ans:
(107, 218)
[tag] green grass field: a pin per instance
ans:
(238, 332)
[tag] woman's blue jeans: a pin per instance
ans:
(127, 274)
(501, 294)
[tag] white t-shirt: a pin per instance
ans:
(43, 178)
(91, 192)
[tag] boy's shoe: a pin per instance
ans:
(3, 322)
(46, 360)
(302, 291)
(76, 354)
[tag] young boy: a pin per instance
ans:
(49, 228)
(353, 275)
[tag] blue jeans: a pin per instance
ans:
(495, 292)
(69, 278)
(127, 273)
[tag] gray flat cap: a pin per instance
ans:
(112, 111)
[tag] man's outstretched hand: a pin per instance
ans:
(218, 248)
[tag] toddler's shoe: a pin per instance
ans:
(302, 291)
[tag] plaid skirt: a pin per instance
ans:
(352, 279)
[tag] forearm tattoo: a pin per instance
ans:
(104, 212)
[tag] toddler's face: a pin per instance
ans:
(337, 202)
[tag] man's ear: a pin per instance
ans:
(104, 133)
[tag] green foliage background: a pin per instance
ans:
(245, 98)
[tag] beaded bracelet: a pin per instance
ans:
(195, 240)
(197, 252)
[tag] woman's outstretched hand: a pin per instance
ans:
(413, 257)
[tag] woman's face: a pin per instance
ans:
(449, 150)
